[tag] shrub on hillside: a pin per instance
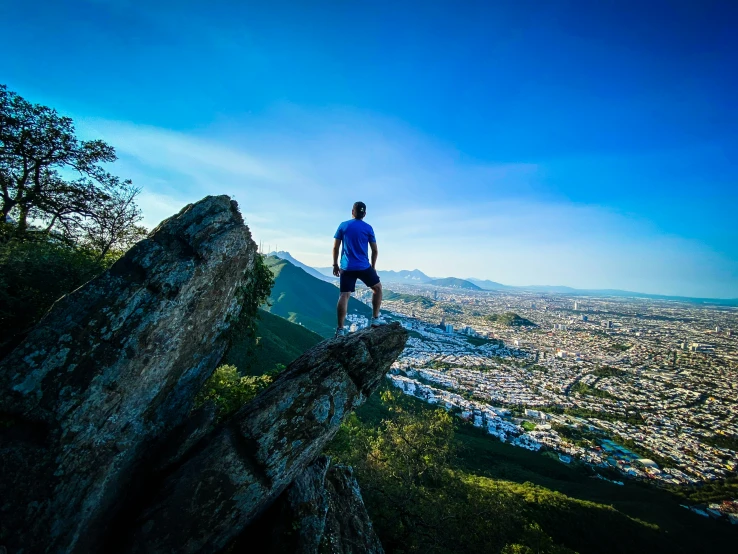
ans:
(33, 275)
(417, 502)
(228, 390)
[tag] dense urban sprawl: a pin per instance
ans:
(645, 387)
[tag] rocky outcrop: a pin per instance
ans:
(100, 449)
(305, 508)
(234, 474)
(348, 529)
(110, 370)
(322, 511)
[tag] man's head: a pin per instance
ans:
(359, 210)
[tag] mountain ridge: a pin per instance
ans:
(283, 255)
(391, 276)
(292, 285)
(454, 283)
(408, 276)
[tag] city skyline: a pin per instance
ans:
(585, 146)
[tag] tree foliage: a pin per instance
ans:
(33, 275)
(510, 319)
(228, 390)
(63, 217)
(535, 541)
(717, 491)
(417, 501)
(250, 296)
(587, 390)
(52, 181)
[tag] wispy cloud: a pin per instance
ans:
(295, 176)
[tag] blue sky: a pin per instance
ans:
(589, 144)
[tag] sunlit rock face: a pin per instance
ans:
(110, 370)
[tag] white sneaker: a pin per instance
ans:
(342, 332)
(378, 321)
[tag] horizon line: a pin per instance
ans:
(469, 279)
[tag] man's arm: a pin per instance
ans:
(336, 246)
(375, 253)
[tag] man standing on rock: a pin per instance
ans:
(355, 234)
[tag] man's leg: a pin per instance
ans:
(376, 298)
(342, 307)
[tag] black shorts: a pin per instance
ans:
(348, 278)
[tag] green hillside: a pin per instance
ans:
(469, 492)
(423, 301)
(454, 283)
(510, 319)
(278, 342)
(303, 299)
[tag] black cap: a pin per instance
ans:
(359, 209)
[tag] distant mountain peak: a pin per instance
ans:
(404, 276)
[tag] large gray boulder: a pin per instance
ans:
(234, 474)
(110, 370)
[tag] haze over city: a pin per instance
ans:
(582, 144)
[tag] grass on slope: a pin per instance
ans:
(303, 299)
(586, 514)
(279, 342)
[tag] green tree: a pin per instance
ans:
(228, 390)
(535, 541)
(251, 295)
(33, 275)
(417, 503)
(63, 218)
(53, 181)
(517, 549)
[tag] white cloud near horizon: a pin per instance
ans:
(295, 176)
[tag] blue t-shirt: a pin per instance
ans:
(355, 235)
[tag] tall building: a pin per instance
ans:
(449, 328)
(576, 305)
